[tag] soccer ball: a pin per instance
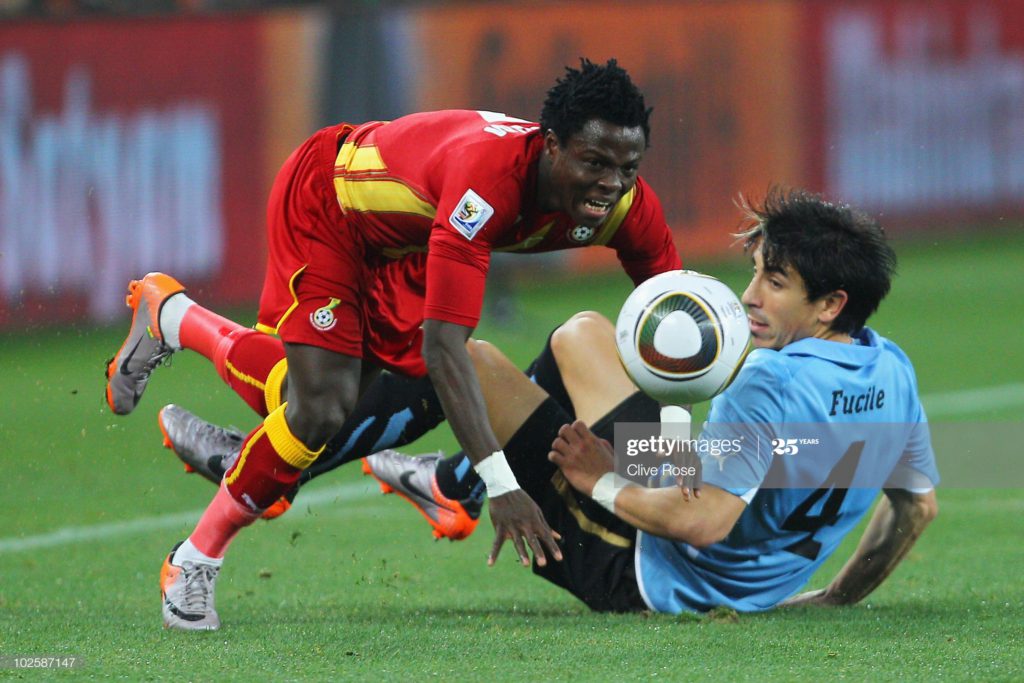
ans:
(682, 336)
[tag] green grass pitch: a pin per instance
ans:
(350, 585)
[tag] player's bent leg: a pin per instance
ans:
(599, 547)
(322, 390)
(545, 373)
(273, 455)
(395, 410)
(509, 395)
(322, 387)
(208, 449)
(145, 347)
(587, 341)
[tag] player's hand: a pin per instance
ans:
(687, 491)
(818, 597)
(517, 518)
(582, 456)
(688, 486)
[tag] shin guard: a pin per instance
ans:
(270, 463)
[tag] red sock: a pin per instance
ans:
(221, 522)
(202, 330)
(258, 478)
(243, 357)
(244, 360)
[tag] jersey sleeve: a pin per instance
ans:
(916, 470)
(456, 279)
(479, 201)
(735, 443)
(644, 242)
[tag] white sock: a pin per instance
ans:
(187, 552)
(171, 314)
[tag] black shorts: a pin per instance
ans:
(597, 547)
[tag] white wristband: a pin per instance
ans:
(496, 474)
(607, 489)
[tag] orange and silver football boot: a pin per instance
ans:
(414, 478)
(129, 370)
(186, 595)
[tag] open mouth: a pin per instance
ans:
(756, 326)
(596, 209)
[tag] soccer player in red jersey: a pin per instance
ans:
(379, 242)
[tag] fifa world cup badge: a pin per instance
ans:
(323, 318)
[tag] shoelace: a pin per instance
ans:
(198, 586)
(163, 353)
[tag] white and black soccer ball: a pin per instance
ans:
(682, 336)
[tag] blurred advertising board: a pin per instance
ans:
(918, 107)
(130, 145)
(135, 144)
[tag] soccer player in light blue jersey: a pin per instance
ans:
(827, 409)
(767, 518)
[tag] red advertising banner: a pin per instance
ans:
(918, 107)
(132, 145)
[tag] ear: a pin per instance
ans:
(831, 305)
(551, 143)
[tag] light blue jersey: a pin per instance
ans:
(822, 426)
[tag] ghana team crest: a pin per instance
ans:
(581, 234)
(323, 318)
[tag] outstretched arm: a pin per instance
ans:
(514, 514)
(898, 521)
(668, 512)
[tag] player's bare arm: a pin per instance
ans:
(898, 521)
(514, 514)
(584, 458)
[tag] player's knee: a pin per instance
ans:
(315, 419)
(580, 331)
(482, 353)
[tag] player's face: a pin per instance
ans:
(778, 311)
(587, 175)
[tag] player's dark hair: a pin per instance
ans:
(594, 92)
(832, 246)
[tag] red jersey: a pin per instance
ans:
(461, 184)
